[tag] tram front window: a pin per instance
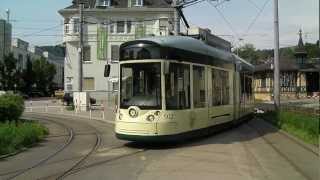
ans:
(141, 85)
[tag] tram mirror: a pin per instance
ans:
(107, 70)
(166, 67)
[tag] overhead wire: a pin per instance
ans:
(254, 4)
(43, 30)
(257, 16)
(225, 19)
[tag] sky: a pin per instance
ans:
(38, 22)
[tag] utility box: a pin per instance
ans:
(81, 101)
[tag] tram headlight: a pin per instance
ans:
(133, 113)
(150, 118)
(157, 113)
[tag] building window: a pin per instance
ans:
(76, 25)
(69, 81)
(199, 87)
(114, 53)
(104, 3)
(88, 84)
(129, 27)
(137, 3)
(178, 87)
(220, 87)
(112, 27)
(120, 27)
(66, 28)
(86, 53)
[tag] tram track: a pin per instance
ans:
(41, 162)
(83, 158)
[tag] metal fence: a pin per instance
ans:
(102, 108)
(310, 109)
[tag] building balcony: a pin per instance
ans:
(71, 37)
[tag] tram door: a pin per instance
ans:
(221, 96)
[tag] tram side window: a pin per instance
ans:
(199, 87)
(220, 87)
(178, 87)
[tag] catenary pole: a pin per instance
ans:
(80, 51)
(276, 90)
(176, 18)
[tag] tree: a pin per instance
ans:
(248, 52)
(9, 73)
(28, 77)
(44, 73)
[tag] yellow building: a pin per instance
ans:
(299, 77)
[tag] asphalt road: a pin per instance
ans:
(87, 149)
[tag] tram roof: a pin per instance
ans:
(197, 46)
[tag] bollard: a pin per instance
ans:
(90, 112)
(31, 106)
(103, 112)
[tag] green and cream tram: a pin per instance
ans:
(176, 87)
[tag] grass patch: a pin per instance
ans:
(304, 126)
(14, 137)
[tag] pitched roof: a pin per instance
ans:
(122, 4)
(288, 65)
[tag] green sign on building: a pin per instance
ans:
(102, 46)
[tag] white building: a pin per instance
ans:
(109, 23)
(5, 38)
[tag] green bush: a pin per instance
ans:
(304, 126)
(16, 136)
(11, 107)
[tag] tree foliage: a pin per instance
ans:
(11, 107)
(37, 76)
(44, 73)
(9, 73)
(28, 77)
(254, 56)
(248, 52)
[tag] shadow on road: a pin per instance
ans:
(240, 133)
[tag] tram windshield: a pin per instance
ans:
(141, 85)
